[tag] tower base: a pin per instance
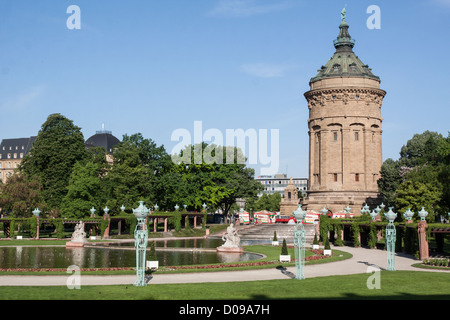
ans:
(336, 201)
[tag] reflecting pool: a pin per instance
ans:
(117, 255)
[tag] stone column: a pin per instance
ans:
(106, 233)
(423, 243)
(165, 224)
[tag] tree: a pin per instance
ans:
(85, 191)
(20, 195)
(58, 146)
(212, 179)
(390, 179)
(415, 195)
(420, 149)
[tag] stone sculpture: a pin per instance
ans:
(232, 241)
(78, 236)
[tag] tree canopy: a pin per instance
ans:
(421, 176)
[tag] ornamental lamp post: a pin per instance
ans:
(106, 210)
(347, 210)
(36, 213)
(390, 239)
(140, 242)
(156, 207)
(423, 214)
(177, 207)
(299, 241)
(122, 208)
(204, 206)
(324, 210)
(92, 212)
(373, 214)
(408, 215)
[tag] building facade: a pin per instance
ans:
(345, 131)
(12, 151)
(279, 182)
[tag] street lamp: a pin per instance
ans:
(204, 206)
(156, 207)
(299, 241)
(106, 210)
(140, 242)
(373, 214)
(390, 238)
(92, 212)
(177, 207)
(122, 208)
(324, 210)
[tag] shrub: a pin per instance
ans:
(327, 244)
(275, 236)
(315, 241)
(284, 250)
(152, 254)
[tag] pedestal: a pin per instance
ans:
(230, 249)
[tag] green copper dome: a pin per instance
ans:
(344, 62)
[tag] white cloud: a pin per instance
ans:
(264, 70)
(24, 99)
(245, 8)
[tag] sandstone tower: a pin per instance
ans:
(344, 124)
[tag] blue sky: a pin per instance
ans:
(154, 66)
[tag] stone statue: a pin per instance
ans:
(78, 236)
(343, 14)
(232, 240)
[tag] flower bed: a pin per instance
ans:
(59, 269)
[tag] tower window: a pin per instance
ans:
(335, 177)
(356, 135)
(356, 177)
(335, 136)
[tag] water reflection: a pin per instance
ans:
(114, 256)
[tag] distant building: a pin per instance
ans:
(103, 139)
(12, 151)
(279, 182)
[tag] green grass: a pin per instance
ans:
(409, 285)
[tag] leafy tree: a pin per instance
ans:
(390, 179)
(415, 195)
(58, 146)
(419, 149)
(84, 191)
(20, 195)
(214, 179)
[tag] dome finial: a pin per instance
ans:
(343, 14)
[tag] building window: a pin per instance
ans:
(335, 177)
(335, 135)
(21, 155)
(356, 135)
(9, 155)
(356, 177)
(15, 155)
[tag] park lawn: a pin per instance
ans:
(410, 285)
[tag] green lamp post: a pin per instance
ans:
(140, 242)
(299, 241)
(390, 238)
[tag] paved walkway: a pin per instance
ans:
(360, 262)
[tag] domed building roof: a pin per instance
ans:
(344, 62)
(103, 139)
